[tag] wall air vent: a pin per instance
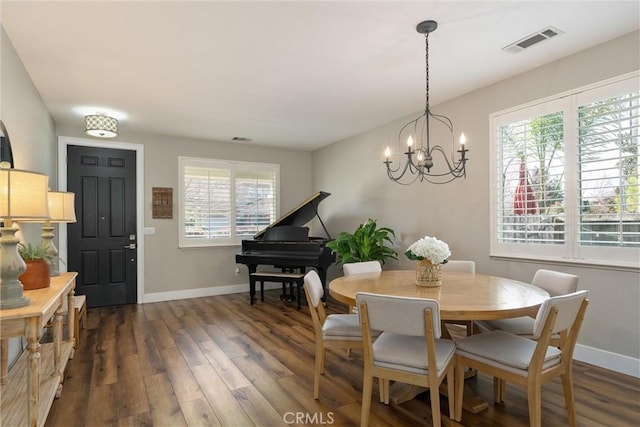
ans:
(240, 139)
(531, 39)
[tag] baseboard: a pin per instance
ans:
(594, 356)
(608, 360)
(204, 292)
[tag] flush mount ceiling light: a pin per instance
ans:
(426, 160)
(101, 126)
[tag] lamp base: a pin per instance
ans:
(11, 267)
(20, 301)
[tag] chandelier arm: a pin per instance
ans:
(454, 169)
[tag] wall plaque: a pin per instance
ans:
(162, 204)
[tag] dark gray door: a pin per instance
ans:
(102, 244)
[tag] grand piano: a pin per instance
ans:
(285, 244)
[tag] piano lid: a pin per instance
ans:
(300, 215)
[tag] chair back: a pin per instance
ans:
(314, 292)
(361, 267)
(555, 282)
(460, 266)
(313, 288)
(400, 315)
(568, 308)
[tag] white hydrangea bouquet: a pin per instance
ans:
(429, 248)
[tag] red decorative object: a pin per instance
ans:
(524, 199)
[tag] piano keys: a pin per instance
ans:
(285, 244)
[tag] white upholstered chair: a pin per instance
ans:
(408, 350)
(460, 266)
(352, 268)
(361, 267)
(512, 358)
(331, 331)
(554, 282)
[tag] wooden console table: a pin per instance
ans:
(27, 403)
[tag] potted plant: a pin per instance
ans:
(38, 260)
(367, 243)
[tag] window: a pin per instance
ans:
(223, 202)
(565, 177)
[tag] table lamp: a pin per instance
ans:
(61, 210)
(23, 196)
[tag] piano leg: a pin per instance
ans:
(252, 282)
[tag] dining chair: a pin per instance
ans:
(352, 268)
(408, 349)
(331, 331)
(554, 282)
(512, 358)
(361, 267)
(459, 266)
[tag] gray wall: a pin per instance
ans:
(30, 128)
(458, 213)
(168, 268)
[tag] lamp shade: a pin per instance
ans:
(101, 126)
(61, 206)
(23, 195)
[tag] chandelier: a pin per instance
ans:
(425, 160)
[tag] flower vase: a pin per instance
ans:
(428, 274)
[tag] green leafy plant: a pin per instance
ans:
(367, 243)
(35, 252)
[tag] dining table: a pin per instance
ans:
(461, 296)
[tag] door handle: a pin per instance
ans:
(130, 246)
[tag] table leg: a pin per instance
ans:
(4, 360)
(71, 320)
(401, 392)
(33, 373)
(57, 341)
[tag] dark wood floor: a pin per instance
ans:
(219, 361)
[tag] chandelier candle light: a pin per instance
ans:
(430, 253)
(420, 150)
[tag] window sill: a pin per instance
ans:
(586, 263)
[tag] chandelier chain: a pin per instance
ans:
(426, 57)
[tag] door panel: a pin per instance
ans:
(100, 250)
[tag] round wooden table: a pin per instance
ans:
(462, 296)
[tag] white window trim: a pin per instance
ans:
(570, 252)
(218, 163)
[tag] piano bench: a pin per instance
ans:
(274, 276)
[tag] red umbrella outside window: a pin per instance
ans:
(524, 199)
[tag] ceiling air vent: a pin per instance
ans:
(240, 139)
(531, 39)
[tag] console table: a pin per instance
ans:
(27, 403)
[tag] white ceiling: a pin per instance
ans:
(298, 74)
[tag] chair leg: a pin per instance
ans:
(384, 390)
(367, 386)
(499, 390)
(459, 390)
(434, 391)
(451, 391)
(318, 369)
(567, 386)
(534, 395)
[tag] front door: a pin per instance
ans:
(102, 244)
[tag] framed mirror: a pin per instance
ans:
(6, 155)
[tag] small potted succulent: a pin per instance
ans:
(38, 260)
